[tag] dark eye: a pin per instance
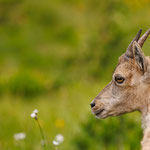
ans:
(119, 79)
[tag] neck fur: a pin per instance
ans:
(146, 127)
(146, 118)
(145, 107)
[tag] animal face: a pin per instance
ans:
(124, 93)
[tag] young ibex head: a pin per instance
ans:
(130, 85)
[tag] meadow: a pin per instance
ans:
(56, 56)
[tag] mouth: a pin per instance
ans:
(98, 112)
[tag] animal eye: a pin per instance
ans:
(119, 79)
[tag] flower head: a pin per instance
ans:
(55, 143)
(34, 114)
(35, 111)
(58, 139)
(19, 136)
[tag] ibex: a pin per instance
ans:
(129, 89)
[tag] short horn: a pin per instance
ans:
(144, 37)
(129, 49)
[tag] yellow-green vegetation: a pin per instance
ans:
(56, 56)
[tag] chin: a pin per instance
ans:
(105, 115)
(101, 115)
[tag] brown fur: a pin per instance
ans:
(131, 95)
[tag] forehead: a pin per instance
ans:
(125, 66)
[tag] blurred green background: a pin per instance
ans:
(56, 56)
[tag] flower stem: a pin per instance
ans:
(43, 138)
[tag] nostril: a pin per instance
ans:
(92, 104)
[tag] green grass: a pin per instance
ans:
(15, 116)
(56, 56)
(64, 112)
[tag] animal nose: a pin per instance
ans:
(92, 104)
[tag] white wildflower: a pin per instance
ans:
(33, 115)
(35, 111)
(59, 138)
(19, 136)
(55, 143)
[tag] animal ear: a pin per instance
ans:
(139, 56)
